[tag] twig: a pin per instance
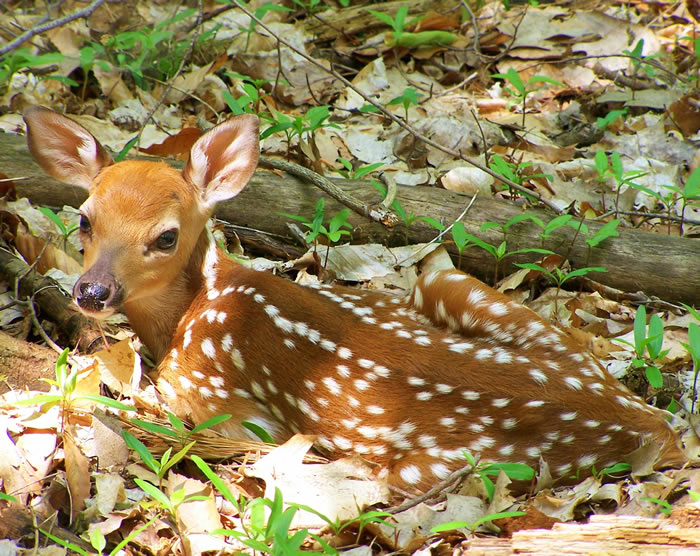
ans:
(51, 24)
(35, 320)
(648, 215)
(378, 214)
(433, 492)
(396, 119)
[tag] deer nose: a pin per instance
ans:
(94, 296)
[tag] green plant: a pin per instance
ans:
(693, 347)
(259, 13)
(21, 59)
(649, 340)
(298, 126)
(610, 118)
(350, 173)
(65, 230)
(459, 236)
(500, 252)
(514, 471)
(407, 99)
(159, 467)
(66, 382)
(98, 541)
(559, 276)
(7, 497)
(662, 506)
(520, 91)
(611, 470)
(400, 37)
(514, 172)
(408, 218)
(332, 232)
(178, 430)
(690, 194)
(637, 60)
(613, 168)
(608, 230)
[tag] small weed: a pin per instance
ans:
(297, 126)
(613, 168)
(66, 382)
(21, 59)
(649, 340)
(350, 173)
(610, 118)
(65, 230)
(159, 467)
(559, 276)
(407, 99)
(662, 506)
(400, 37)
(520, 91)
(178, 430)
(514, 172)
(333, 231)
(616, 469)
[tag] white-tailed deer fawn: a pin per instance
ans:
(408, 383)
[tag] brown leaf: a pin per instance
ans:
(77, 474)
(176, 146)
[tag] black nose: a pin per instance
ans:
(92, 296)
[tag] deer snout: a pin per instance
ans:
(97, 298)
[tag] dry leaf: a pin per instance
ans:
(77, 474)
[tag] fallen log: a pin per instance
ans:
(662, 266)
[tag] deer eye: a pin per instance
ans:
(167, 240)
(85, 227)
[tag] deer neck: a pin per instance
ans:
(156, 317)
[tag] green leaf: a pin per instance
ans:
(655, 338)
(155, 428)
(384, 18)
(585, 270)
(209, 423)
(498, 515)
(140, 448)
(640, 330)
(605, 232)
(601, 163)
(218, 483)
(433, 222)
(154, 492)
(514, 471)
(654, 377)
(258, 431)
(104, 400)
(423, 38)
(691, 189)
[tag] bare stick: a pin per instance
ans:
(52, 24)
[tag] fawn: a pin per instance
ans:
(408, 383)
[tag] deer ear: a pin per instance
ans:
(63, 148)
(224, 159)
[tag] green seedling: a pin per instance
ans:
(66, 382)
(694, 496)
(408, 218)
(350, 173)
(693, 347)
(559, 276)
(98, 541)
(608, 230)
(689, 194)
(65, 230)
(459, 236)
(662, 506)
(514, 172)
(407, 99)
(178, 431)
(500, 252)
(7, 498)
(649, 340)
(159, 467)
(298, 126)
(258, 431)
(637, 60)
(514, 471)
(21, 59)
(613, 168)
(400, 37)
(610, 118)
(333, 231)
(520, 91)
(616, 469)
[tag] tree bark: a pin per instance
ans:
(662, 266)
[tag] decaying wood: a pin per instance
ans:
(604, 534)
(24, 364)
(659, 265)
(52, 301)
